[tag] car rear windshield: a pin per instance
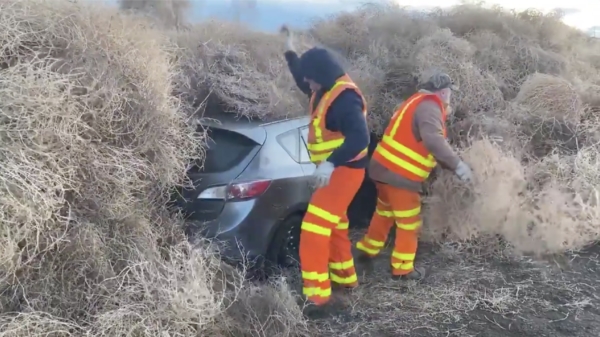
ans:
(225, 150)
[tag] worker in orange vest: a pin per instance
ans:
(413, 143)
(338, 140)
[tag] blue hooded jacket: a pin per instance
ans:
(345, 113)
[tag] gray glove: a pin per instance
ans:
(463, 171)
(323, 174)
(289, 38)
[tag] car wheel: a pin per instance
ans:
(285, 247)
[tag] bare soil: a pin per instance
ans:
(467, 294)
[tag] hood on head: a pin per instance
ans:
(319, 65)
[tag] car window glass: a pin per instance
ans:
(290, 141)
(304, 156)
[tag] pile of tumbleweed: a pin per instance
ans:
(94, 108)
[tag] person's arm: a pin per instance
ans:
(345, 116)
(294, 65)
(428, 119)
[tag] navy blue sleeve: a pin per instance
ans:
(345, 116)
(294, 65)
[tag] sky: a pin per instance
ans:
(271, 14)
(583, 14)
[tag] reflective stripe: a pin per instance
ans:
(428, 161)
(410, 226)
(323, 214)
(385, 214)
(404, 266)
(402, 163)
(408, 213)
(341, 265)
(321, 156)
(325, 98)
(404, 256)
(314, 291)
(319, 148)
(310, 227)
(344, 280)
(374, 243)
(399, 119)
(370, 251)
(343, 225)
(314, 276)
(328, 145)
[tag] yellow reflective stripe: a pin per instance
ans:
(409, 227)
(323, 214)
(324, 99)
(341, 265)
(314, 291)
(428, 161)
(386, 214)
(309, 227)
(319, 157)
(344, 280)
(404, 256)
(324, 146)
(314, 276)
(343, 225)
(374, 243)
(318, 131)
(408, 213)
(402, 163)
(362, 247)
(404, 266)
(399, 119)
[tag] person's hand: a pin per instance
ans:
(322, 174)
(463, 171)
(289, 43)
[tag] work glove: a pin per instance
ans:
(322, 174)
(463, 171)
(289, 39)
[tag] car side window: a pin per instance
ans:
(304, 155)
(290, 141)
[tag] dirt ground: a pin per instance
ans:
(467, 294)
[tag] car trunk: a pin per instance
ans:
(228, 153)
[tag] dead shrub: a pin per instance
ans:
(550, 97)
(92, 143)
(550, 216)
(243, 71)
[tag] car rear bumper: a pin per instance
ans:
(242, 231)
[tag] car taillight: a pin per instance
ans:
(236, 191)
(247, 190)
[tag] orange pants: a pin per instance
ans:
(403, 207)
(325, 249)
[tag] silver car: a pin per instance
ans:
(253, 189)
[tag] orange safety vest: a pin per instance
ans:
(399, 151)
(322, 142)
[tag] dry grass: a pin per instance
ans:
(94, 108)
(92, 142)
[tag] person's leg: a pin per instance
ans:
(341, 263)
(327, 206)
(406, 207)
(379, 228)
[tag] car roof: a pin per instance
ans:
(253, 128)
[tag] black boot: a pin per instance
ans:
(418, 274)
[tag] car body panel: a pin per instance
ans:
(251, 224)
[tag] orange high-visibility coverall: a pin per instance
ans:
(401, 153)
(325, 249)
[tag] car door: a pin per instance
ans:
(307, 166)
